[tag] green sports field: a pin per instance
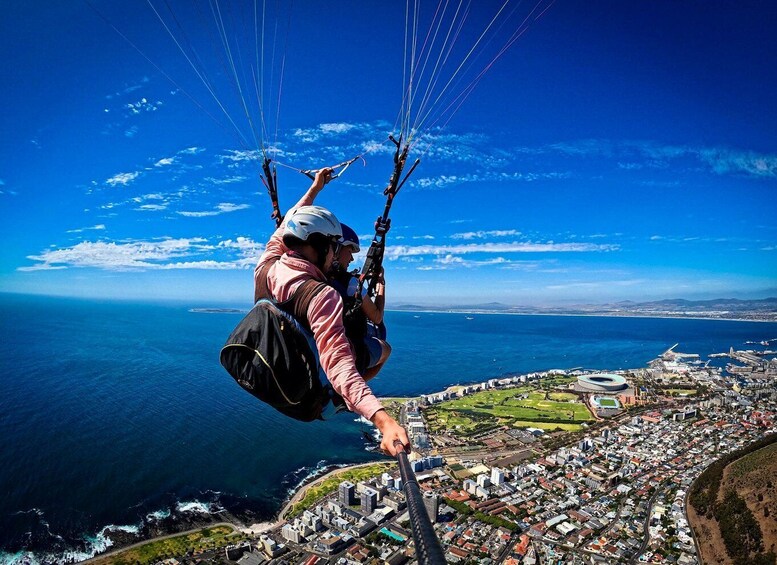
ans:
(516, 407)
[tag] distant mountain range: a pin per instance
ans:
(723, 308)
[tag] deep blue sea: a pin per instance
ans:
(114, 415)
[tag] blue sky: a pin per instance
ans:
(616, 151)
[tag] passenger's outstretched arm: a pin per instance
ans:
(373, 309)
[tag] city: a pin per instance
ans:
(612, 489)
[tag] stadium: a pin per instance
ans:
(601, 382)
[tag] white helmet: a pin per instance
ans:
(308, 220)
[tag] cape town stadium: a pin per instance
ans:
(602, 382)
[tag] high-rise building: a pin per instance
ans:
(432, 504)
(484, 481)
(346, 493)
(369, 501)
(497, 476)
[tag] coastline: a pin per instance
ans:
(584, 315)
(258, 528)
(301, 490)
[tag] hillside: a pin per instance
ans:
(754, 479)
(723, 308)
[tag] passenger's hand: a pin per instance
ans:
(390, 431)
(323, 176)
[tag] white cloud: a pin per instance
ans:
(247, 247)
(143, 105)
(453, 261)
(308, 135)
(491, 176)
(596, 284)
(167, 161)
(398, 251)
(373, 147)
(226, 180)
(336, 127)
(95, 227)
(725, 161)
(151, 196)
(239, 155)
(721, 160)
(152, 207)
(482, 234)
(129, 89)
(122, 179)
(119, 256)
(221, 208)
(159, 254)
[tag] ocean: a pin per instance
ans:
(117, 419)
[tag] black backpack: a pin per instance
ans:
(271, 353)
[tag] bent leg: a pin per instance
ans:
(379, 354)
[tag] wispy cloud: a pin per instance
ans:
(122, 179)
(149, 202)
(483, 234)
(221, 208)
(596, 284)
(164, 253)
(143, 105)
(95, 227)
(490, 176)
(225, 180)
(398, 251)
(240, 155)
(5, 190)
(129, 89)
(330, 130)
(725, 161)
(152, 207)
(637, 155)
(454, 261)
(167, 161)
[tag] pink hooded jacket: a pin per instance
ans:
(326, 321)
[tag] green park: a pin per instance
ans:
(520, 407)
(189, 543)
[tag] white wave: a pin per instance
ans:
(157, 515)
(100, 542)
(94, 545)
(127, 529)
(198, 507)
(320, 468)
(37, 511)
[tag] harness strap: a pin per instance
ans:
(261, 290)
(298, 303)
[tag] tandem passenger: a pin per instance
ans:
(303, 248)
